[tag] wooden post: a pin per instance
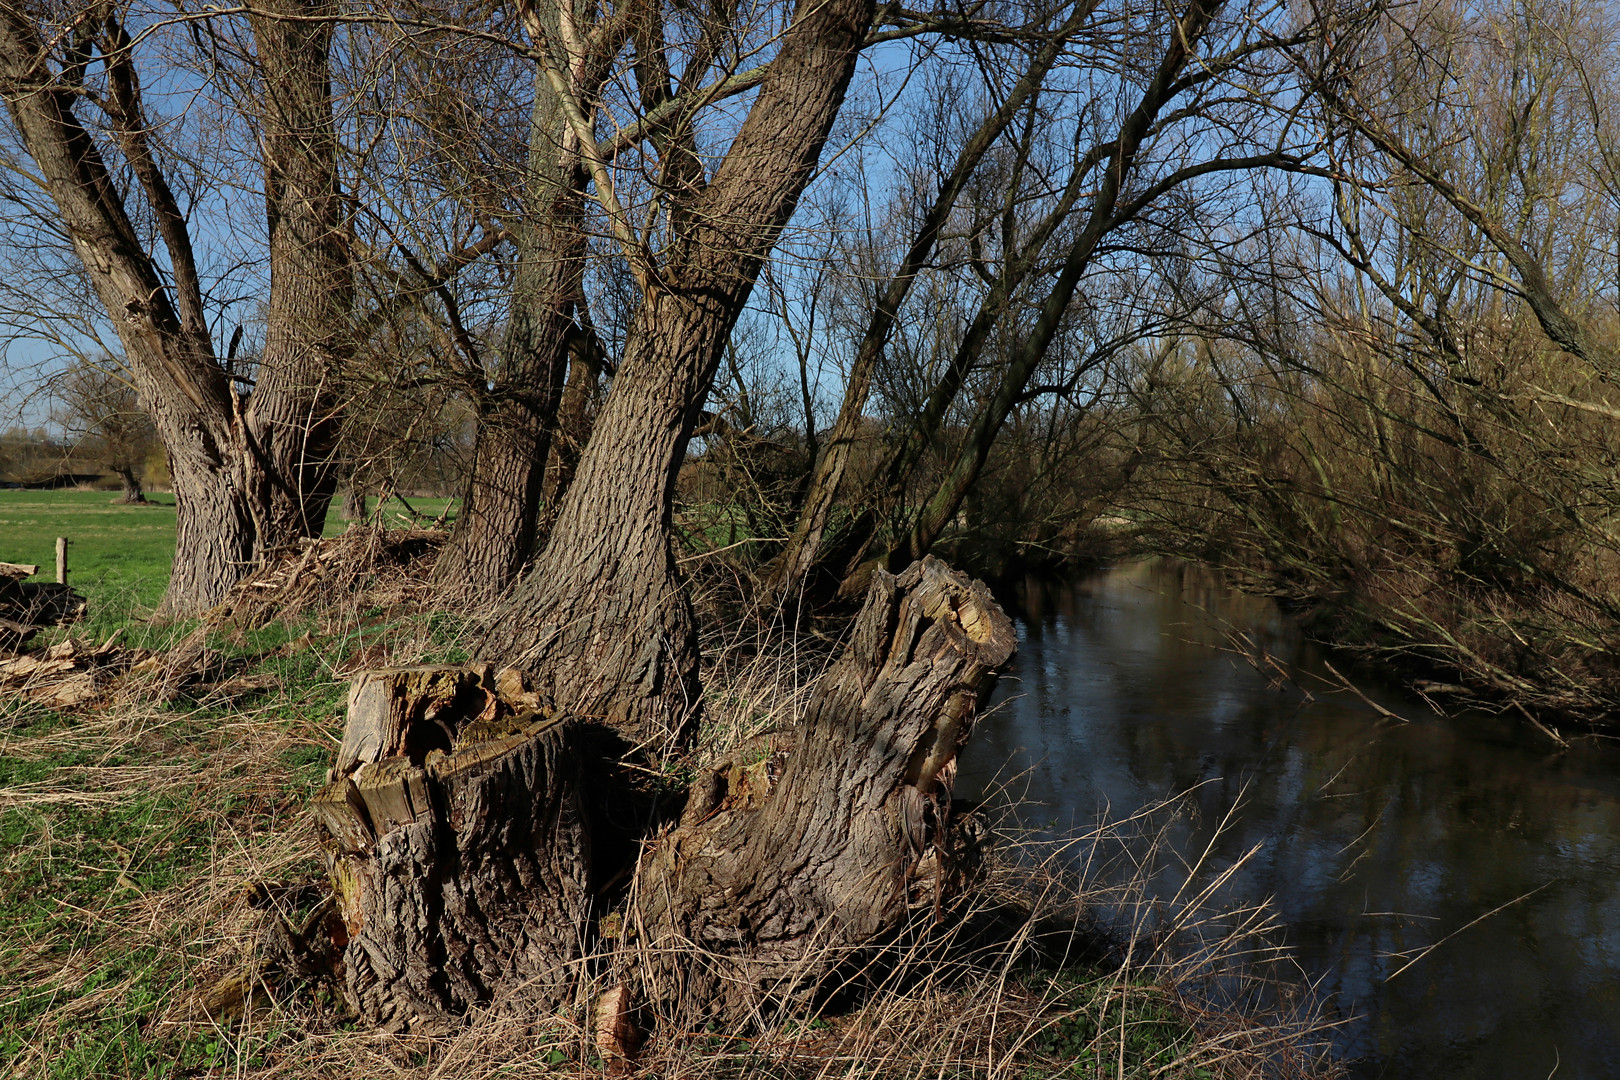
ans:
(61, 560)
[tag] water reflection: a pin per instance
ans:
(1380, 838)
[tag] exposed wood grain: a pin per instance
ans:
(778, 889)
(464, 857)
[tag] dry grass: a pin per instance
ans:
(139, 842)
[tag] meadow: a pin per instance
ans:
(119, 555)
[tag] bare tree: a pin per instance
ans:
(97, 405)
(1403, 416)
(603, 619)
(251, 469)
(1078, 212)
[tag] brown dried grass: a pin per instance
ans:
(1055, 952)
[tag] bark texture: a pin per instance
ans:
(459, 851)
(187, 394)
(496, 527)
(250, 474)
(603, 620)
(465, 831)
(292, 419)
(771, 892)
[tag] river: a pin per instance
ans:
(1377, 837)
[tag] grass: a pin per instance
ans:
(130, 836)
(119, 556)
(134, 838)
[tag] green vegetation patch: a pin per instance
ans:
(118, 556)
(129, 838)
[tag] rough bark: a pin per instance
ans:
(603, 620)
(772, 892)
(292, 419)
(248, 476)
(458, 849)
(496, 527)
(465, 858)
(574, 420)
(187, 394)
(606, 625)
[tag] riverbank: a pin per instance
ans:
(1445, 882)
(149, 844)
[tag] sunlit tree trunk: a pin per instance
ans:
(603, 620)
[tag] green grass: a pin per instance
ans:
(128, 836)
(125, 842)
(127, 833)
(119, 556)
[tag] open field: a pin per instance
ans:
(119, 556)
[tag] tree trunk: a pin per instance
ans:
(292, 419)
(467, 865)
(608, 629)
(777, 889)
(245, 480)
(495, 529)
(458, 850)
(603, 621)
(189, 398)
(574, 421)
(132, 494)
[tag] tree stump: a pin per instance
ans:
(769, 888)
(460, 843)
(458, 852)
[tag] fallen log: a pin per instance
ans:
(465, 827)
(27, 607)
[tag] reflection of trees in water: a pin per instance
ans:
(1378, 838)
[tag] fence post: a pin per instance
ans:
(61, 560)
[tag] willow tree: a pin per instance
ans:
(602, 620)
(495, 530)
(252, 470)
(1069, 242)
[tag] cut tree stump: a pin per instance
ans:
(770, 893)
(457, 848)
(460, 842)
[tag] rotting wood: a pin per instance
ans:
(771, 897)
(68, 673)
(406, 711)
(457, 848)
(467, 868)
(27, 607)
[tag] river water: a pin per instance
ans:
(1377, 837)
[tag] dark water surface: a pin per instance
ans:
(1378, 837)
